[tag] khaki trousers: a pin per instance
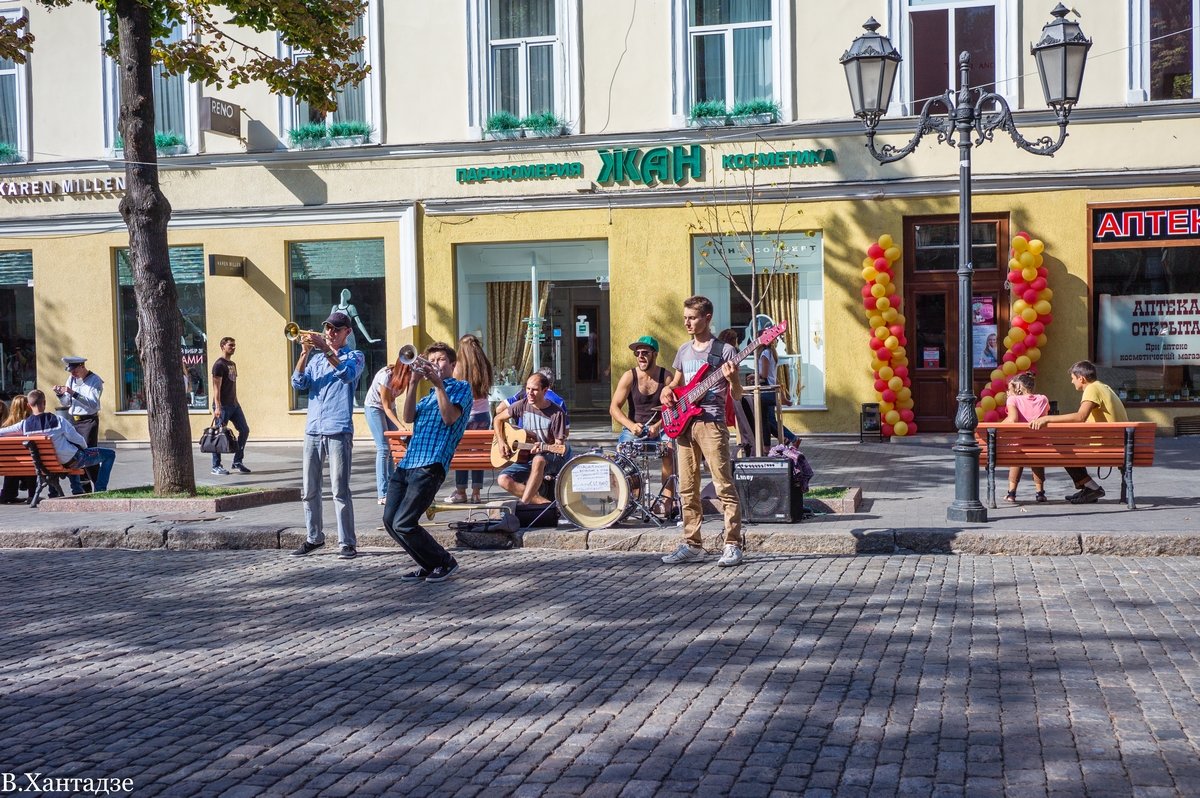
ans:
(708, 440)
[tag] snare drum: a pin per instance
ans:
(643, 447)
(595, 490)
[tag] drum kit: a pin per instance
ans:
(600, 488)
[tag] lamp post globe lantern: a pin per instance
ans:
(871, 64)
(1061, 55)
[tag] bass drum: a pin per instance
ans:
(596, 490)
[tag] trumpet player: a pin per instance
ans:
(329, 432)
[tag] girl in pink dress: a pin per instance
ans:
(1023, 406)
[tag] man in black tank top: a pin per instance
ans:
(635, 407)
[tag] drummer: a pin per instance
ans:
(547, 423)
(635, 407)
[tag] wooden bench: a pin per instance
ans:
(34, 456)
(1118, 444)
(474, 453)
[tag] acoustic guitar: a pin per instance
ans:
(676, 418)
(520, 443)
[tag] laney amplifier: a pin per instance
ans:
(764, 486)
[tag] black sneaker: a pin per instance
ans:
(306, 548)
(241, 469)
(347, 553)
(418, 575)
(1087, 496)
(443, 572)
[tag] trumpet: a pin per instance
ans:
(292, 332)
(408, 356)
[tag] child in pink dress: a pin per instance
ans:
(1023, 406)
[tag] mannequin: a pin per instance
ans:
(345, 306)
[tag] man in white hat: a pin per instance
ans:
(80, 400)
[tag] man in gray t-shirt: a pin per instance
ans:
(689, 359)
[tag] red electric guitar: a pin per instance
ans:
(676, 419)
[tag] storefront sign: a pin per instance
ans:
(226, 266)
(1145, 224)
(218, 116)
(1149, 329)
(530, 171)
(658, 165)
(776, 160)
(13, 189)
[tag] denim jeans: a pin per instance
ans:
(481, 420)
(235, 416)
(379, 423)
(101, 459)
(410, 492)
(337, 450)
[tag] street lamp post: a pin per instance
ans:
(871, 64)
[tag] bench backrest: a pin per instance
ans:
(1085, 444)
(474, 450)
(16, 461)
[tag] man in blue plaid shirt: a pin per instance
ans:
(439, 421)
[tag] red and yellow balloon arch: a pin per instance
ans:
(889, 359)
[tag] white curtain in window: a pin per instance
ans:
(541, 78)
(506, 83)
(520, 19)
(710, 67)
(8, 102)
(726, 12)
(170, 95)
(752, 64)
(352, 100)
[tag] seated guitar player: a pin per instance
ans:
(545, 424)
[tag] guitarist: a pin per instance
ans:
(706, 437)
(546, 422)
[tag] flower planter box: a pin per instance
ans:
(709, 121)
(846, 505)
(544, 133)
(311, 144)
(507, 133)
(173, 150)
(346, 141)
(746, 120)
(14, 158)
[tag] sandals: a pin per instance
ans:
(1011, 497)
(455, 498)
(1040, 497)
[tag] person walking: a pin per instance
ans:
(439, 421)
(380, 415)
(80, 400)
(706, 437)
(473, 368)
(329, 432)
(226, 409)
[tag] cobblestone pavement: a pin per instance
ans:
(551, 672)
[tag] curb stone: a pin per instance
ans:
(204, 538)
(1174, 544)
(39, 539)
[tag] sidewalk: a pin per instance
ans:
(906, 484)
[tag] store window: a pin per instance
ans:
(795, 293)
(1172, 47)
(174, 105)
(1146, 302)
(346, 275)
(732, 50)
(354, 103)
(524, 52)
(13, 127)
(18, 366)
(187, 269)
(936, 246)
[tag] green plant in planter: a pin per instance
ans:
(709, 113)
(308, 134)
(503, 120)
(9, 153)
(544, 124)
(345, 130)
(757, 107)
(168, 139)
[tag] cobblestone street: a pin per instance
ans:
(551, 672)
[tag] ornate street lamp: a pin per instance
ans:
(871, 64)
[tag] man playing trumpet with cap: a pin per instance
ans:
(329, 432)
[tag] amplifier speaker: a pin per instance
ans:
(764, 486)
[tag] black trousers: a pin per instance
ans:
(410, 492)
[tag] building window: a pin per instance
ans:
(14, 144)
(1172, 49)
(187, 269)
(355, 103)
(18, 366)
(524, 56)
(732, 53)
(346, 276)
(174, 106)
(795, 294)
(936, 246)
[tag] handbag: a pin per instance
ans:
(217, 440)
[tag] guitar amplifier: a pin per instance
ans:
(764, 486)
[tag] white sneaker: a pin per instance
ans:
(731, 557)
(684, 553)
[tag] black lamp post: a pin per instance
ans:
(871, 64)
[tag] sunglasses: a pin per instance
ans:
(643, 353)
(331, 328)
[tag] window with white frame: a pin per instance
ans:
(1171, 63)
(174, 103)
(731, 49)
(13, 128)
(354, 102)
(524, 53)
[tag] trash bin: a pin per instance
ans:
(869, 422)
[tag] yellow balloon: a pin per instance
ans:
(869, 274)
(905, 404)
(1042, 339)
(891, 288)
(895, 383)
(899, 352)
(883, 304)
(996, 374)
(1037, 261)
(885, 241)
(891, 342)
(891, 314)
(1023, 363)
(1014, 265)
(892, 417)
(1019, 244)
(886, 373)
(898, 360)
(883, 278)
(882, 332)
(875, 321)
(1026, 259)
(987, 403)
(1001, 399)
(878, 291)
(1034, 354)
(1029, 314)
(1019, 305)
(886, 407)
(903, 395)
(1036, 246)
(868, 262)
(899, 318)
(1029, 273)
(979, 413)
(900, 428)
(1046, 294)
(1009, 369)
(876, 365)
(1008, 342)
(892, 254)
(1042, 308)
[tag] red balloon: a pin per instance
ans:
(901, 372)
(1043, 272)
(888, 431)
(987, 391)
(1029, 295)
(888, 396)
(907, 416)
(875, 343)
(896, 330)
(1030, 341)
(880, 386)
(883, 353)
(1009, 357)
(1018, 348)
(881, 264)
(1036, 329)
(1038, 284)
(991, 416)
(866, 290)
(875, 251)
(998, 385)
(869, 303)
(1046, 319)
(1024, 235)
(1016, 279)
(912, 426)
(1020, 322)
(895, 300)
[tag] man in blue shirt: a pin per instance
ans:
(439, 421)
(330, 381)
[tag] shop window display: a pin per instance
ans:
(187, 269)
(347, 276)
(18, 371)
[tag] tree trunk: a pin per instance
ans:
(146, 213)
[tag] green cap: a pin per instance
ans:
(645, 340)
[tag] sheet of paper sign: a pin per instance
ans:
(590, 478)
